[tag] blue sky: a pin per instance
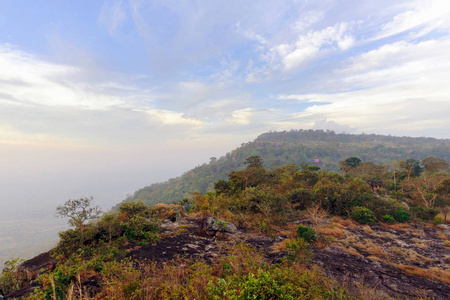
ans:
(103, 97)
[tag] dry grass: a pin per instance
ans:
(375, 257)
(344, 222)
(370, 247)
(334, 231)
(350, 240)
(280, 246)
(431, 273)
(442, 236)
(353, 251)
(367, 229)
(383, 234)
(420, 243)
(375, 249)
(397, 226)
(447, 243)
(410, 255)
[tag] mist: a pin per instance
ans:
(35, 179)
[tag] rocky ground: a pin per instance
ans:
(406, 261)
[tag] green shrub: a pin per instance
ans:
(10, 279)
(437, 221)
(382, 206)
(402, 216)
(363, 215)
(306, 233)
(263, 285)
(298, 251)
(388, 219)
(425, 214)
(302, 198)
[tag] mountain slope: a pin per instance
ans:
(295, 146)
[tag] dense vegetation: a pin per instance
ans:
(256, 199)
(299, 147)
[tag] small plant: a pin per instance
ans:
(298, 251)
(447, 243)
(388, 219)
(437, 221)
(10, 278)
(363, 215)
(402, 216)
(306, 233)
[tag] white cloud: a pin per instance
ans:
(324, 124)
(307, 47)
(26, 80)
(241, 117)
(398, 88)
(173, 118)
(422, 16)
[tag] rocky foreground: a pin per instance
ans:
(401, 261)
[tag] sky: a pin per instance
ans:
(100, 98)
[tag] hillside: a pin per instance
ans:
(295, 146)
(282, 233)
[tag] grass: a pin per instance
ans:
(333, 231)
(433, 273)
(442, 235)
(410, 255)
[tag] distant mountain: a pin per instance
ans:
(295, 146)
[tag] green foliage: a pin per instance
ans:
(388, 219)
(264, 285)
(11, 278)
(437, 221)
(298, 250)
(363, 215)
(79, 211)
(353, 161)
(383, 205)
(254, 162)
(306, 233)
(301, 197)
(426, 214)
(402, 216)
(137, 208)
(296, 146)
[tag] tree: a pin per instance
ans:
(412, 167)
(443, 200)
(78, 211)
(353, 161)
(423, 190)
(253, 162)
(434, 164)
(349, 163)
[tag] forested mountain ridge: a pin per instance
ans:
(299, 147)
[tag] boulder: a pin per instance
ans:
(172, 212)
(214, 225)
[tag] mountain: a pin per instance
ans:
(299, 147)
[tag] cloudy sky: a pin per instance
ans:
(103, 97)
